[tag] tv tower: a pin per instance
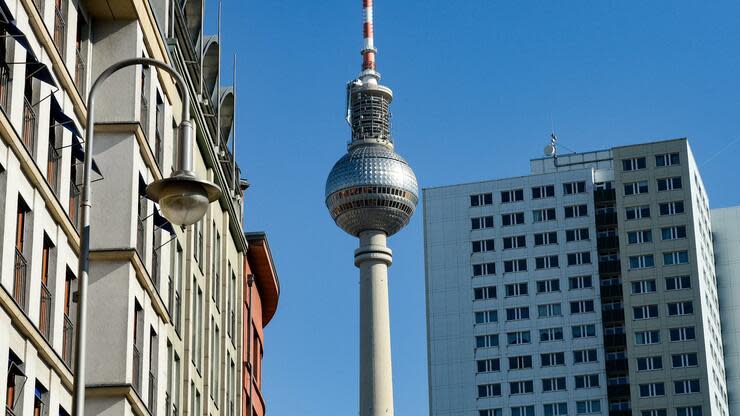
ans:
(372, 193)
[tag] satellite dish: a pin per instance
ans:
(549, 150)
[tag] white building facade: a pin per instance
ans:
(584, 273)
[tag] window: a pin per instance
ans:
(486, 341)
(667, 159)
(647, 337)
(639, 237)
(636, 188)
(521, 387)
(547, 286)
(543, 239)
(671, 208)
(575, 259)
(522, 411)
(574, 187)
(642, 262)
(481, 199)
(588, 406)
(680, 308)
(518, 241)
(489, 390)
(649, 363)
(545, 191)
(689, 411)
(652, 390)
(514, 218)
(584, 356)
(546, 262)
(486, 317)
(686, 386)
(483, 293)
(677, 282)
(513, 195)
(512, 266)
(587, 381)
(40, 400)
(517, 289)
(580, 282)
(645, 312)
(491, 412)
(489, 365)
(685, 360)
(673, 233)
(545, 214)
(521, 362)
(643, 286)
(682, 334)
(518, 338)
(555, 409)
(581, 306)
(551, 334)
(577, 234)
(675, 257)
(669, 184)
(480, 246)
(479, 223)
(549, 310)
(552, 359)
(635, 163)
(635, 213)
(573, 211)
(484, 269)
(517, 314)
(584, 331)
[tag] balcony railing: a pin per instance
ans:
(80, 73)
(158, 148)
(167, 403)
(60, 29)
(174, 410)
(52, 166)
(232, 323)
(19, 284)
(155, 269)
(67, 341)
(74, 204)
(144, 115)
(176, 313)
(45, 312)
(140, 237)
(152, 399)
(4, 85)
(9, 411)
(136, 371)
(29, 125)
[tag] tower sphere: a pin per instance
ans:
(371, 188)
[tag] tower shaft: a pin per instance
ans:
(376, 385)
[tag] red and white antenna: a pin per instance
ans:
(368, 51)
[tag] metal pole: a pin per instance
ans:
(185, 162)
(234, 181)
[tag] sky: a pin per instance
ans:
(479, 85)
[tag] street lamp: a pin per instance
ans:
(183, 198)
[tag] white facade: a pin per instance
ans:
(726, 234)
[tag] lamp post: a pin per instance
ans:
(183, 198)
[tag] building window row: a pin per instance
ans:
(586, 381)
(517, 195)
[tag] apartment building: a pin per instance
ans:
(726, 236)
(165, 306)
(586, 287)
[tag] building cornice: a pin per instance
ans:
(145, 148)
(142, 275)
(263, 266)
(127, 391)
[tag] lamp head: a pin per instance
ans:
(182, 197)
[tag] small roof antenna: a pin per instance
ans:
(551, 148)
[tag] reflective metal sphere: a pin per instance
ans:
(371, 188)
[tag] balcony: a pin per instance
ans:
(140, 231)
(8, 411)
(80, 73)
(613, 291)
(613, 316)
(4, 85)
(615, 340)
(155, 269)
(158, 148)
(605, 195)
(176, 313)
(19, 282)
(144, 114)
(52, 166)
(606, 219)
(45, 312)
(618, 390)
(610, 267)
(74, 204)
(607, 243)
(60, 29)
(617, 366)
(152, 398)
(620, 413)
(136, 370)
(29, 125)
(67, 341)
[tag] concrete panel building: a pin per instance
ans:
(586, 287)
(726, 235)
(166, 305)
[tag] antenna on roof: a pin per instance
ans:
(551, 148)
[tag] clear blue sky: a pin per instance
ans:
(477, 84)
